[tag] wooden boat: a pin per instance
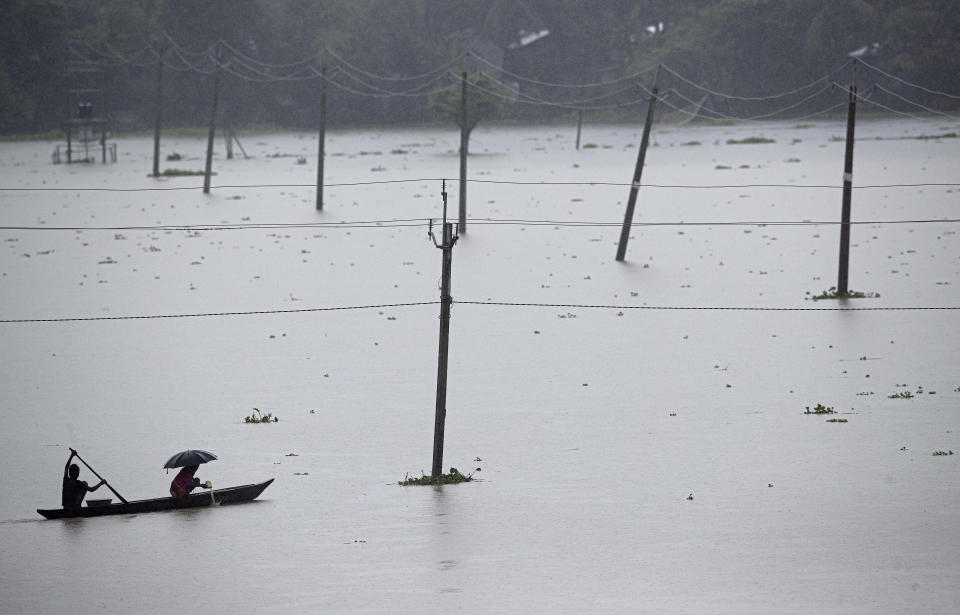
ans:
(230, 495)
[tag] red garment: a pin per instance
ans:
(182, 483)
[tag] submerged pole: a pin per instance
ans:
(637, 173)
(445, 301)
(442, 356)
(322, 136)
(228, 139)
(464, 136)
(844, 269)
(159, 114)
(579, 125)
(213, 128)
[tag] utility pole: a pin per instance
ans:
(322, 136)
(464, 135)
(579, 124)
(213, 127)
(228, 139)
(637, 173)
(159, 114)
(844, 269)
(449, 239)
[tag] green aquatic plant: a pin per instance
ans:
(836, 420)
(820, 409)
(258, 417)
(901, 395)
(946, 135)
(452, 477)
(831, 293)
(942, 453)
(180, 173)
(750, 141)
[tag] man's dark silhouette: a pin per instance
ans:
(74, 490)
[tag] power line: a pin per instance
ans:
(212, 314)
(754, 118)
(237, 62)
(384, 93)
(420, 222)
(681, 223)
(570, 103)
(296, 63)
(481, 181)
(531, 100)
(512, 304)
(430, 73)
(907, 83)
(700, 308)
(914, 103)
(413, 222)
(631, 77)
(750, 98)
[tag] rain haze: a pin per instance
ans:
(523, 307)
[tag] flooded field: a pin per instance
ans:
(649, 456)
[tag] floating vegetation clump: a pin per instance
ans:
(750, 141)
(820, 409)
(836, 420)
(946, 135)
(942, 453)
(453, 477)
(180, 173)
(258, 417)
(901, 395)
(832, 293)
(174, 157)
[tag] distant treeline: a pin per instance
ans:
(749, 48)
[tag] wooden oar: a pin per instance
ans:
(77, 455)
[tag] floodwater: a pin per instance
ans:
(630, 460)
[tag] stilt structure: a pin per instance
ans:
(86, 126)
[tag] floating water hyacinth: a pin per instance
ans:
(258, 417)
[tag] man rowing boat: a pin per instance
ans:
(74, 489)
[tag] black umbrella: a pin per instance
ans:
(189, 457)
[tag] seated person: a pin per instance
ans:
(184, 482)
(74, 490)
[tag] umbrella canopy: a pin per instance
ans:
(189, 457)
